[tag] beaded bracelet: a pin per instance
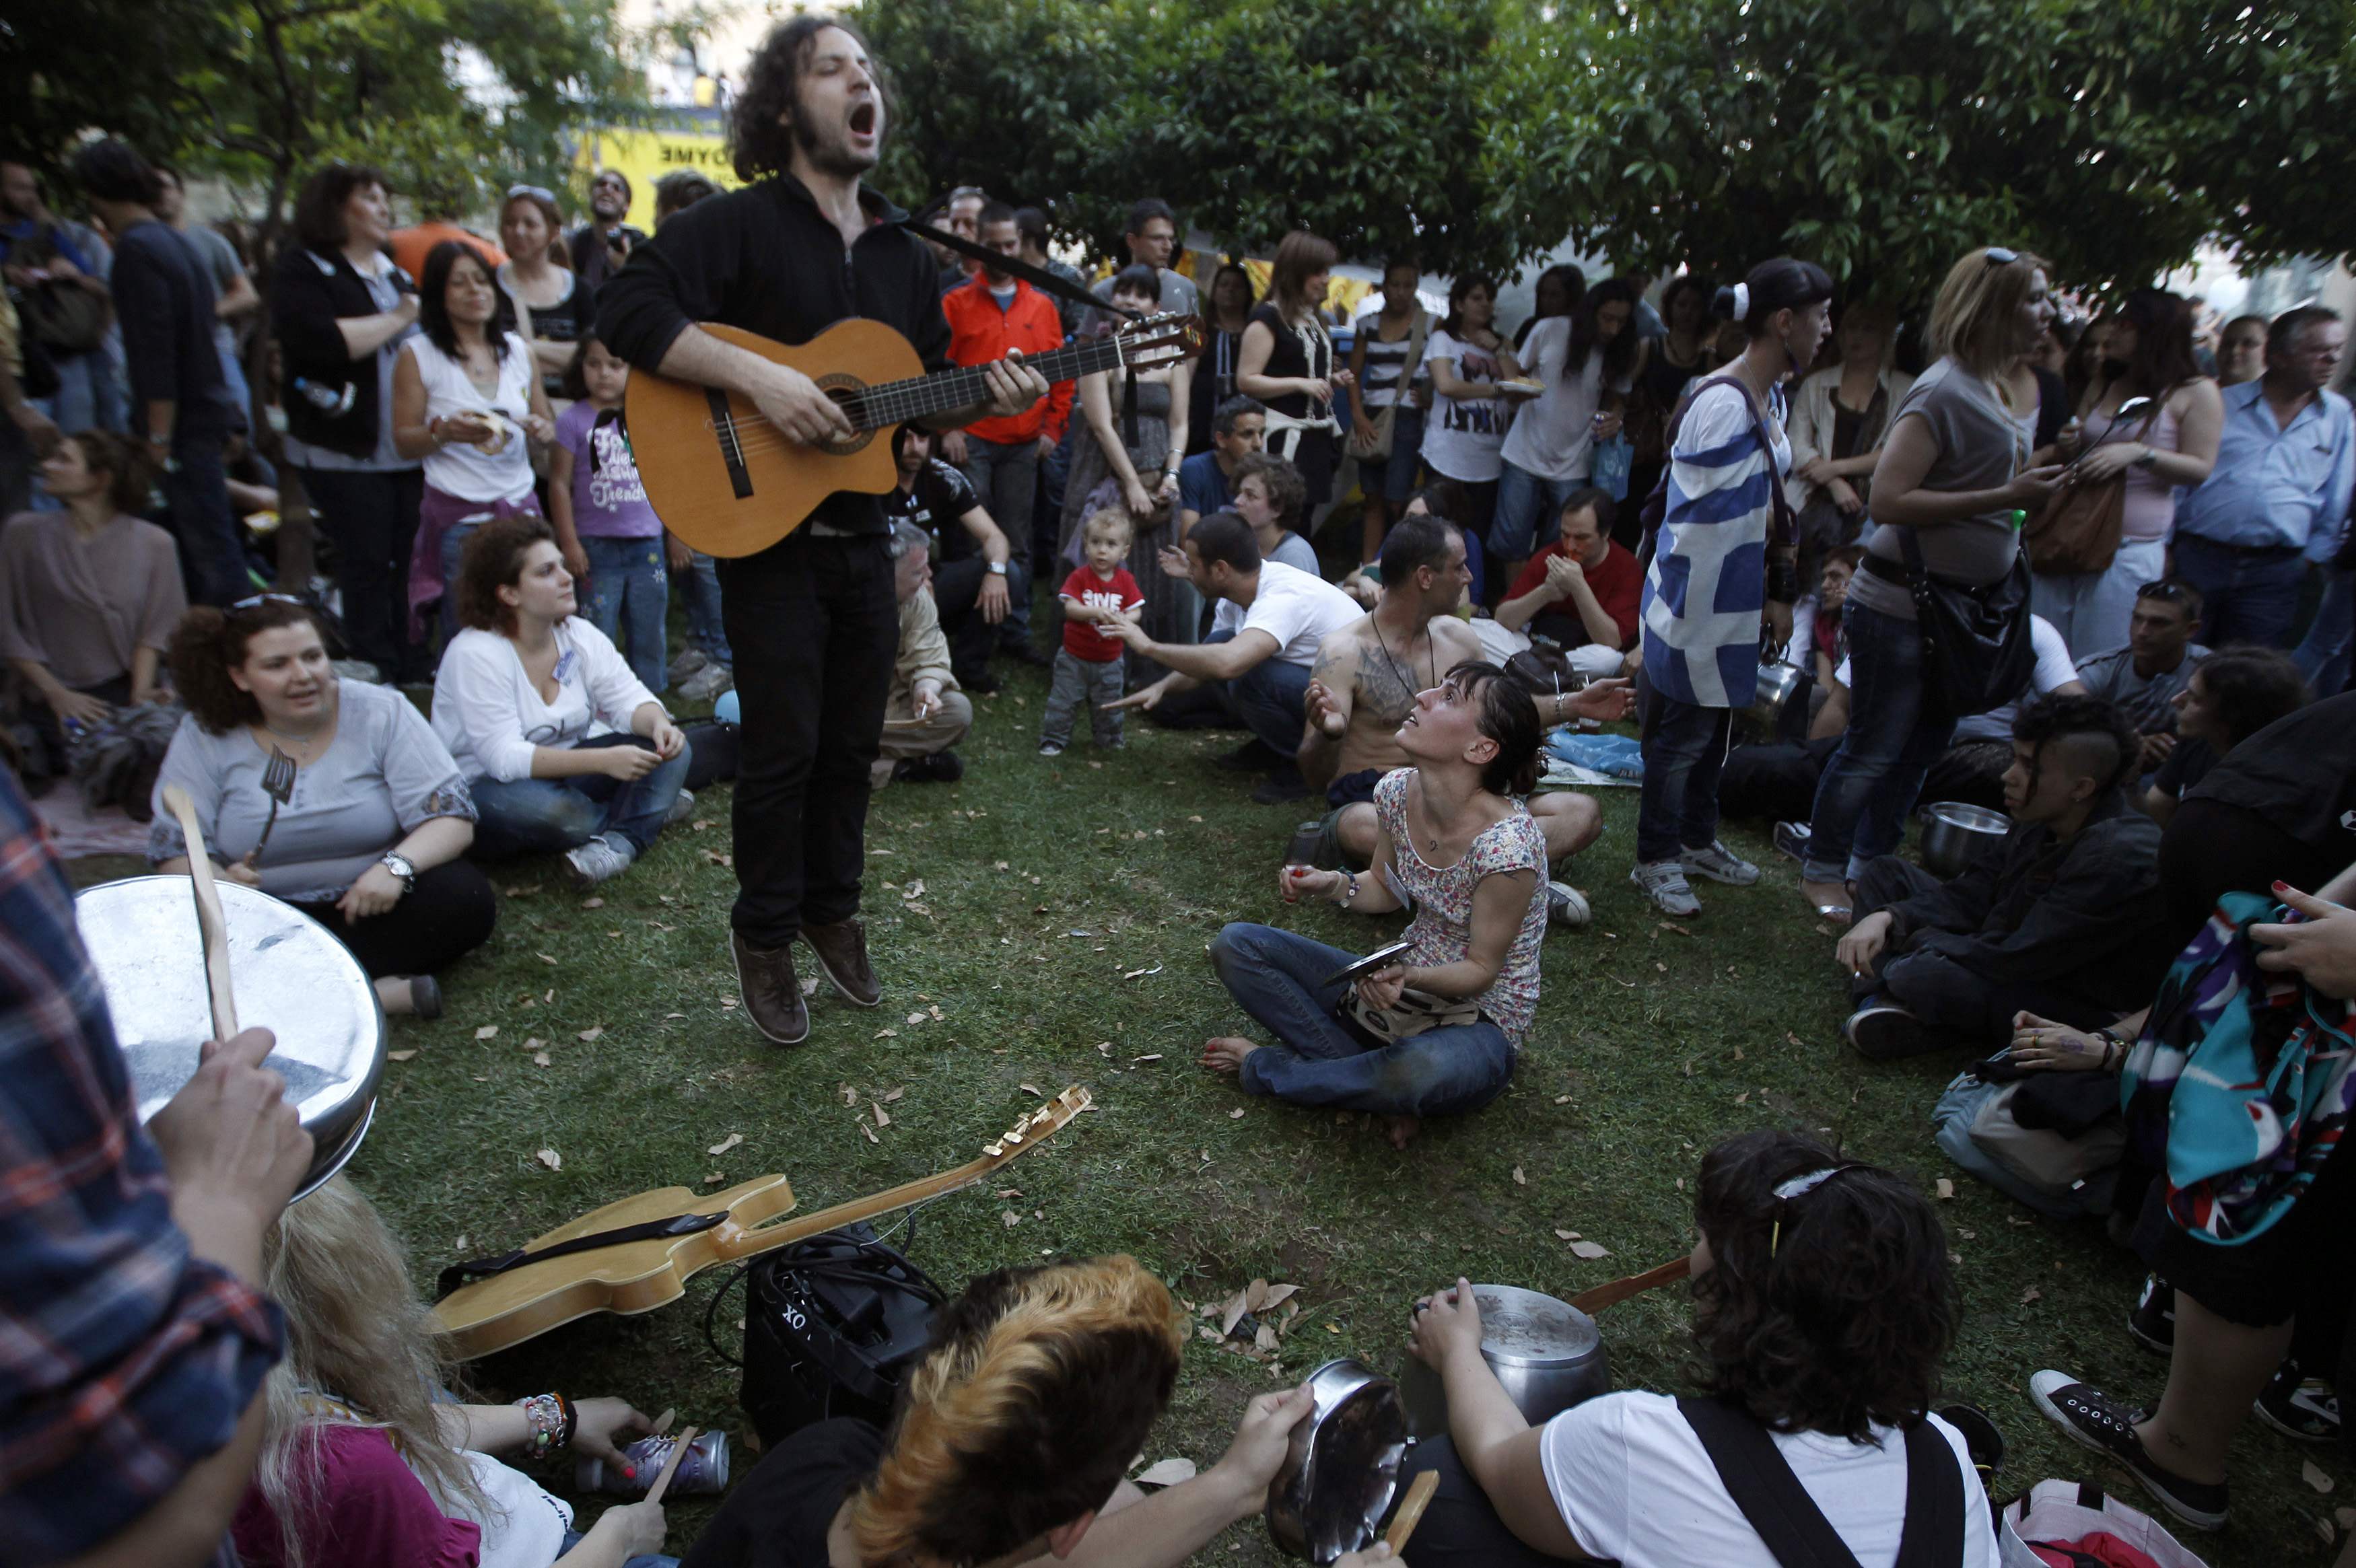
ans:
(544, 1413)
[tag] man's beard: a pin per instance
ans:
(830, 155)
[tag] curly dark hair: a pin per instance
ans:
(129, 472)
(1828, 1312)
(493, 560)
(2049, 719)
(1285, 486)
(766, 125)
(1509, 717)
(2249, 687)
(209, 643)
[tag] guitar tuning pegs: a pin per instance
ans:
(993, 1150)
(1015, 1135)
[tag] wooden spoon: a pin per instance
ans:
(1410, 1510)
(211, 921)
(670, 1466)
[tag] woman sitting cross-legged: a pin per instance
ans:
(1436, 1034)
(1823, 1306)
(564, 747)
(369, 841)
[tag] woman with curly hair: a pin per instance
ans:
(370, 843)
(1823, 1306)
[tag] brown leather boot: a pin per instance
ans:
(772, 998)
(842, 950)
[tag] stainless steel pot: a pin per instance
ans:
(1547, 1354)
(1778, 683)
(1340, 1469)
(291, 976)
(1952, 833)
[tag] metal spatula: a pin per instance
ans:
(278, 783)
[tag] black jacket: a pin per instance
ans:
(764, 259)
(311, 293)
(2036, 910)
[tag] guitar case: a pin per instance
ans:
(832, 1327)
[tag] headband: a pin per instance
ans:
(1742, 302)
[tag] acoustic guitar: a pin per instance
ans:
(729, 482)
(637, 1255)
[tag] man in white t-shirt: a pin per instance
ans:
(1264, 639)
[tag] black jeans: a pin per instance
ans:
(450, 914)
(1461, 1528)
(815, 627)
(372, 520)
(956, 589)
(1976, 1011)
(212, 552)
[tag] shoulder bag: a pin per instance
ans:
(1783, 530)
(1791, 1527)
(1976, 653)
(60, 316)
(1379, 449)
(2078, 531)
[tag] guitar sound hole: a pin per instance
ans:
(844, 389)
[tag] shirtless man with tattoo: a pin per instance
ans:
(1364, 682)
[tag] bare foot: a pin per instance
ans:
(395, 995)
(1401, 1130)
(1227, 1053)
(1831, 900)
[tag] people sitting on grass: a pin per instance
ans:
(564, 749)
(1270, 496)
(2249, 1233)
(371, 836)
(2144, 676)
(1271, 622)
(1823, 1306)
(974, 584)
(2234, 693)
(1364, 689)
(363, 1467)
(89, 594)
(2061, 920)
(926, 714)
(1580, 590)
(1437, 1032)
(1087, 673)
(1009, 1444)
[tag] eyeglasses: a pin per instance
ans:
(1997, 255)
(542, 192)
(256, 600)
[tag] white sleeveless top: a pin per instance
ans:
(462, 471)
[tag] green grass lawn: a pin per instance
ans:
(1047, 886)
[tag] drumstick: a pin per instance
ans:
(670, 1466)
(1410, 1512)
(211, 921)
(1620, 1290)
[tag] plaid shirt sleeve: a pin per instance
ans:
(124, 1359)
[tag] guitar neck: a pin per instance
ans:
(897, 402)
(907, 1195)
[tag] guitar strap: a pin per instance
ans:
(457, 1274)
(1039, 278)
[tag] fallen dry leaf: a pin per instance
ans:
(1133, 974)
(586, 1035)
(1519, 1179)
(1031, 1089)
(870, 1132)
(545, 959)
(1237, 1115)
(1743, 1098)
(1278, 1295)
(1590, 1250)
(592, 903)
(916, 1017)
(399, 1055)
(1008, 1192)
(881, 1120)
(715, 1177)
(541, 1058)
(2031, 1294)
(915, 890)
(1673, 925)
(1562, 1099)
(1566, 1235)
(1168, 1473)
(1946, 1188)
(1009, 1218)
(2313, 1476)
(887, 1034)
(1264, 1339)
(809, 986)
(550, 1158)
(724, 1145)
(489, 1031)
(894, 1095)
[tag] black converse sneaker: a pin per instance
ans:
(2153, 1321)
(2301, 1407)
(2108, 1425)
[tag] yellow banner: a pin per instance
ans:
(647, 155)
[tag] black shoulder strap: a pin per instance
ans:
(1038, 277)
(1762, 1486)
(1933, 1537)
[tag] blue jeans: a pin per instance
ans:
(1685, 748)
(704, 628)
(2247, 596)
(1320, 1060)
(1891, 740)
(1529, 512)
(629, 589)
(573, 1538)
(2323, 657)
(1272, 699)
(525, 817)
(204, 524)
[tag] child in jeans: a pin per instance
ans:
(1088, 666)
(608, 533)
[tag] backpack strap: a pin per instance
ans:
(1934, 1536)
(1760, 1480)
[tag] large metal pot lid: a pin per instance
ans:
(290, 975)
(1527, 1329)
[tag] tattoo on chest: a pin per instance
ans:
(1384, 692)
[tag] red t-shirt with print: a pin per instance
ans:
(1117, 593)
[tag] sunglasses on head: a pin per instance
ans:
(2000, 256)
(2172, 592)
(255, 602)
(542, 192)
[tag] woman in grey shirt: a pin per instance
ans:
(369, 843)
(1953, 469)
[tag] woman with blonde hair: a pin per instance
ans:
(364, 1466)
(1953, 470)
(1286, 361)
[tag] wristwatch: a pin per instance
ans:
(398, 864)
(997, 568)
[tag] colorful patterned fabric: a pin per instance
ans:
(1442, 931)
(2241, 1086)
(1707, 590)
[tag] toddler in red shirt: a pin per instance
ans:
(1088, 664)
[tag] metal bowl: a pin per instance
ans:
(1547, 1353)
(1340, 1468)
(1778, 683)
(1954, 833)
(291, 976)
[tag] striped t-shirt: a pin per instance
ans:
(1707, 590)
(1386, 363)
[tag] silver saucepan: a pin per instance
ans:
(292, 978)
(1547, 1354)
(1341, 1470)
(1954, 833)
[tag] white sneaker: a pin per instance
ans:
(689, 661)
(1664, 882)
(599, 860)
(706, 684)
(1719, 864)
(1051, 748)
(1565, 905)
(680, 808)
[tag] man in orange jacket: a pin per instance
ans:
(990, 314)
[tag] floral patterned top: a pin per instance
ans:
(1442, 931)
